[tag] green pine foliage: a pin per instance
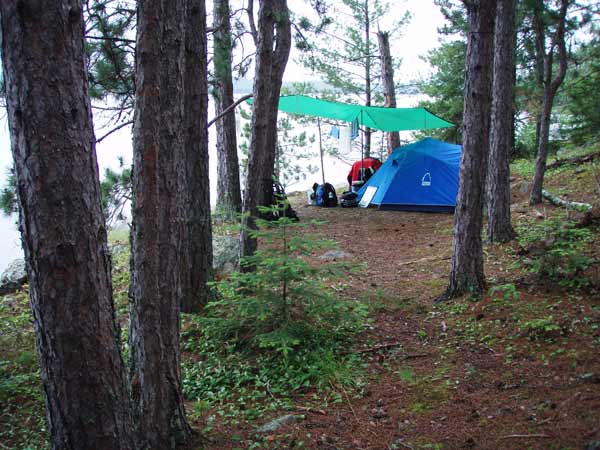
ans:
(8, 195)
(110, 48)
(116, 193)
(282, 323)
(445, 87)
(581, 95)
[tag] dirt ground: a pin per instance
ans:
(484, 374)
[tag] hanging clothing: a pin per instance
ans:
(345, 141)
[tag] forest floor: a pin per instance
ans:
(518, 368)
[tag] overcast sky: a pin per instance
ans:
(419, 36)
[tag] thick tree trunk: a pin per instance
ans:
(550, 89)
(229, 198)
(499, 228)
(389, 90)
(158, 179)
(63, 230)
(197, 246)
(272, 52)
(467, 256)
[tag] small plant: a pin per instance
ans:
(277, 328)
(556, 249)
(283, 303)
(542, 328)
(508, 291)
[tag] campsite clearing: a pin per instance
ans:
(516, 369)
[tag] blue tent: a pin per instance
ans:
(418, 177)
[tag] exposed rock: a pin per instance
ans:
(334, 255)
(226, 253)
(13, 277)
(524, 187)
(274, 425)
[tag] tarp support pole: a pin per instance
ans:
(362, 150)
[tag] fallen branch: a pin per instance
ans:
(309, 409)
(524, 436)
(573, 160)
(557, 201)
(379, 347)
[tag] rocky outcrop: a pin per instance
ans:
(226, 253)
(13, 277)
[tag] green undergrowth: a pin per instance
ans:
(274, 332)
(557, 250)
(22, 421)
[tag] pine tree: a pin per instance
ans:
(229, 197)
(273, 48)
(387, 79)
(197, 241)
(159, 228)
(467, 275)
(347, 55)
(64, 235)
(499, 228)
(549, 81)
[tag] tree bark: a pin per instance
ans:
(158, 181)
(272, 52)
(63, 230)
(550, 89)
(389, 90)
(499, 227)
(197, 246)
(467, 275)
(229, 198)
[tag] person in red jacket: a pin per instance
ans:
(361, 171)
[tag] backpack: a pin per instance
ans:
(349, 199)
(326, 196)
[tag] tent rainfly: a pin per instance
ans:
(418, 177)
(375, 117)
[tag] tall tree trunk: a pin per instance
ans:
(499, 228)
(368, 92)
(229, 198)
(63, 230)
(197, 246)
(389, 90)
(466, 275)
(272, 52)
(550, 89)
(158, 180)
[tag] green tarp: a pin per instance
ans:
(376, 117)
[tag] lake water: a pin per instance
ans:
(10, 241)
(119, 145)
